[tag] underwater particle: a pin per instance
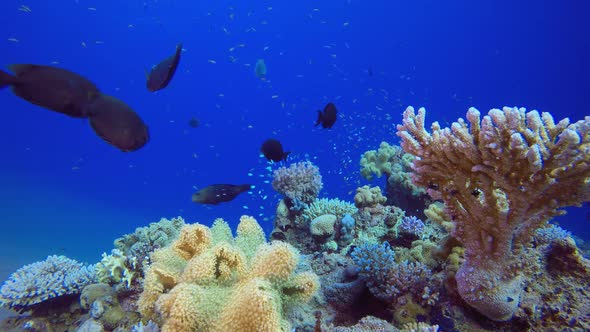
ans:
(272, 149)
(260, 69)
(162, 73)
(24, 8)
(12, 39)
(219, 193)
(194, 122)
(328, 117)
(212, 61)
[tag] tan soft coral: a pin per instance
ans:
(501, 178)
(239, 284)
(368, 197)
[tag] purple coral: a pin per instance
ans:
(386, 279)
(300, 183)
(411, 225)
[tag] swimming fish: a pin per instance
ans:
(219, 193)
(117, 124)
(194, 122)
(328, 117)
(53, 88)
(260, 69)
(273, 150)
(162, 73)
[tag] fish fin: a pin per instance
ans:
(21, 68)
(320, 118)
(245, 187)
(146, 73)
(179, 47)
(6, 79)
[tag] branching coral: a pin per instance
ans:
(385, 278)
(501, 178)
(323, 206)
(300, 184)
(38, 282)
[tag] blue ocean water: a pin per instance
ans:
(65, 191)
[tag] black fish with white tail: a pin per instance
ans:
(219, 193)
(117, 124)
(273, 150)
(162, 73)
(50, 87)
(328, 117)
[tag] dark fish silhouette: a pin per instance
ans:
(273, 150)
(116, 123)
(162, 73)
(53, 88)
(328, 117)
(194, 122)
(219, 193)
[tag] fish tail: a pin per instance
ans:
(320, 118)
(6, 79)
(245, 187)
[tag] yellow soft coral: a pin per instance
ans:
(254, 307)
(192, 240)
(249, 236)
(501, 178)
(194, 285)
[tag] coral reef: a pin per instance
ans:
(391, 161)
(33, 284)
(328, 206)
(501, 178)
(104, 308)
(239, 284)
(117, 268)
(145, 240)
(300, 184)
(368, 197)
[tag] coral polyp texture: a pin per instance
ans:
(38, 282)
(207, 280)
(300, 183)
(501, 177)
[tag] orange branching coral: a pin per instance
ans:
(501, 177)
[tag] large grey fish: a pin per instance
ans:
(50, 87)
(218, 193)
(116, 123)
(162, 73)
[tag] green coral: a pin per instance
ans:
(323, 206)
(391, 161)
(323, 225)
(146, 239)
